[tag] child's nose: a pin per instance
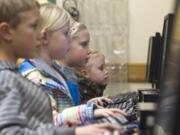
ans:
(90, 50)
(106, 72)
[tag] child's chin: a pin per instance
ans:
(104, 84)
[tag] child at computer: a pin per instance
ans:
(77, 57)
(93, 77)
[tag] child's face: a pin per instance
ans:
(26, 37)
(97, 72)
(79, 52)
(59, 42)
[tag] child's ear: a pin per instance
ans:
(84, 72)
(5, 31)
(44, 37)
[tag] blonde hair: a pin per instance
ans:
(53, 17)
(76, 27)
(93, 55)
(10, 9)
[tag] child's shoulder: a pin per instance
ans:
(7, 74)
(8, 70)
(11, 79)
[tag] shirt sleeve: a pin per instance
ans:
(81, 113)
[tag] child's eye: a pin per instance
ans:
(101, 68)
(85, 45)
(66, 33)
(34, 26)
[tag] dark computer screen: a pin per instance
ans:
(166, 34)
(149, 68)
(153, 61)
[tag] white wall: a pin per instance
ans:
(145, 18)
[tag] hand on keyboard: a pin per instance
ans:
(101, 101)
(97, 129)
(108, 112)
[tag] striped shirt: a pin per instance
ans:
(24, 107)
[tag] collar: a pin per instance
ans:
(52, 72)
(87, 82)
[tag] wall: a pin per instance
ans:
(145, 18)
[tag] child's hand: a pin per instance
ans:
(97, 129)
(108, 112)
(101, 101)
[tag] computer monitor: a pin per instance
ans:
(149, 69)
(153, 60)
(166, 34)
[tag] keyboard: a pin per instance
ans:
(123, 97)
(127, 126)
(126, 102)
(114, 120)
